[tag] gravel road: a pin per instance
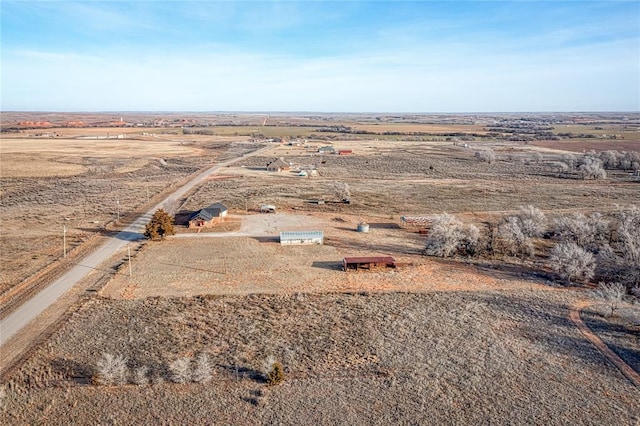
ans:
(30, 310)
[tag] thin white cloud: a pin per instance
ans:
(423, 64)
(597, 78)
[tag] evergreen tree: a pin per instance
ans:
(160, 225)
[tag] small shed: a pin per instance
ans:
(300, 238)
(368, 263)
(278, 165)
(345, 152)
(267, 208)
(208, 216)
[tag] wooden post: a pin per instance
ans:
(129, 253)
(64, 240)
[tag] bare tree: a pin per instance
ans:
(512, 240)
(202, 369)
(591, 168)
(571, 261)
(569, 160)
(589, 232)
(629, 235)
(622, 261)
(487, 155)
(560, 168)
(533, 222)
(181, 370)
(612, 294)
(536, 157)
(610, 159)
(448, 236)
(111, 370)
(341, 189)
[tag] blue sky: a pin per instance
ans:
(329, 56)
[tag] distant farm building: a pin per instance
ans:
(278, 165)
(368, 263)
(345, 152)
(301, 238)
(327, 150)
(208, 216)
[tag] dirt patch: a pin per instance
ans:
(257, 263)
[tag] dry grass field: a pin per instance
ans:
(431, 342)
(48, 183)
(361, 358)
(246, 265)
(407, 178)
(583, 145)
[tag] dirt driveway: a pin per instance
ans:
(265, 225)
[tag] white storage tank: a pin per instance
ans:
(363, 227)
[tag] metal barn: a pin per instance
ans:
(299, 238)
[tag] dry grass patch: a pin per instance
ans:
(505, 357)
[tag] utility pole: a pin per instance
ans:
(147, 192)
(118, 214)
(129, 253)
(64, 240)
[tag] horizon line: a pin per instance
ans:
(316, 112)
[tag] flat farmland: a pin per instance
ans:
(583, 145)
(237, 265)
(420, 128)
(51, 183)
(479, 340)
(390, 179)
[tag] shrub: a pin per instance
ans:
(487, 155)
(3, 396)
(111, 370)
(140, 375)
(571, 261)
(202, 369)
(160, 225)
(612, 294)
(276, 375)
(536, 157)
(180, 370)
